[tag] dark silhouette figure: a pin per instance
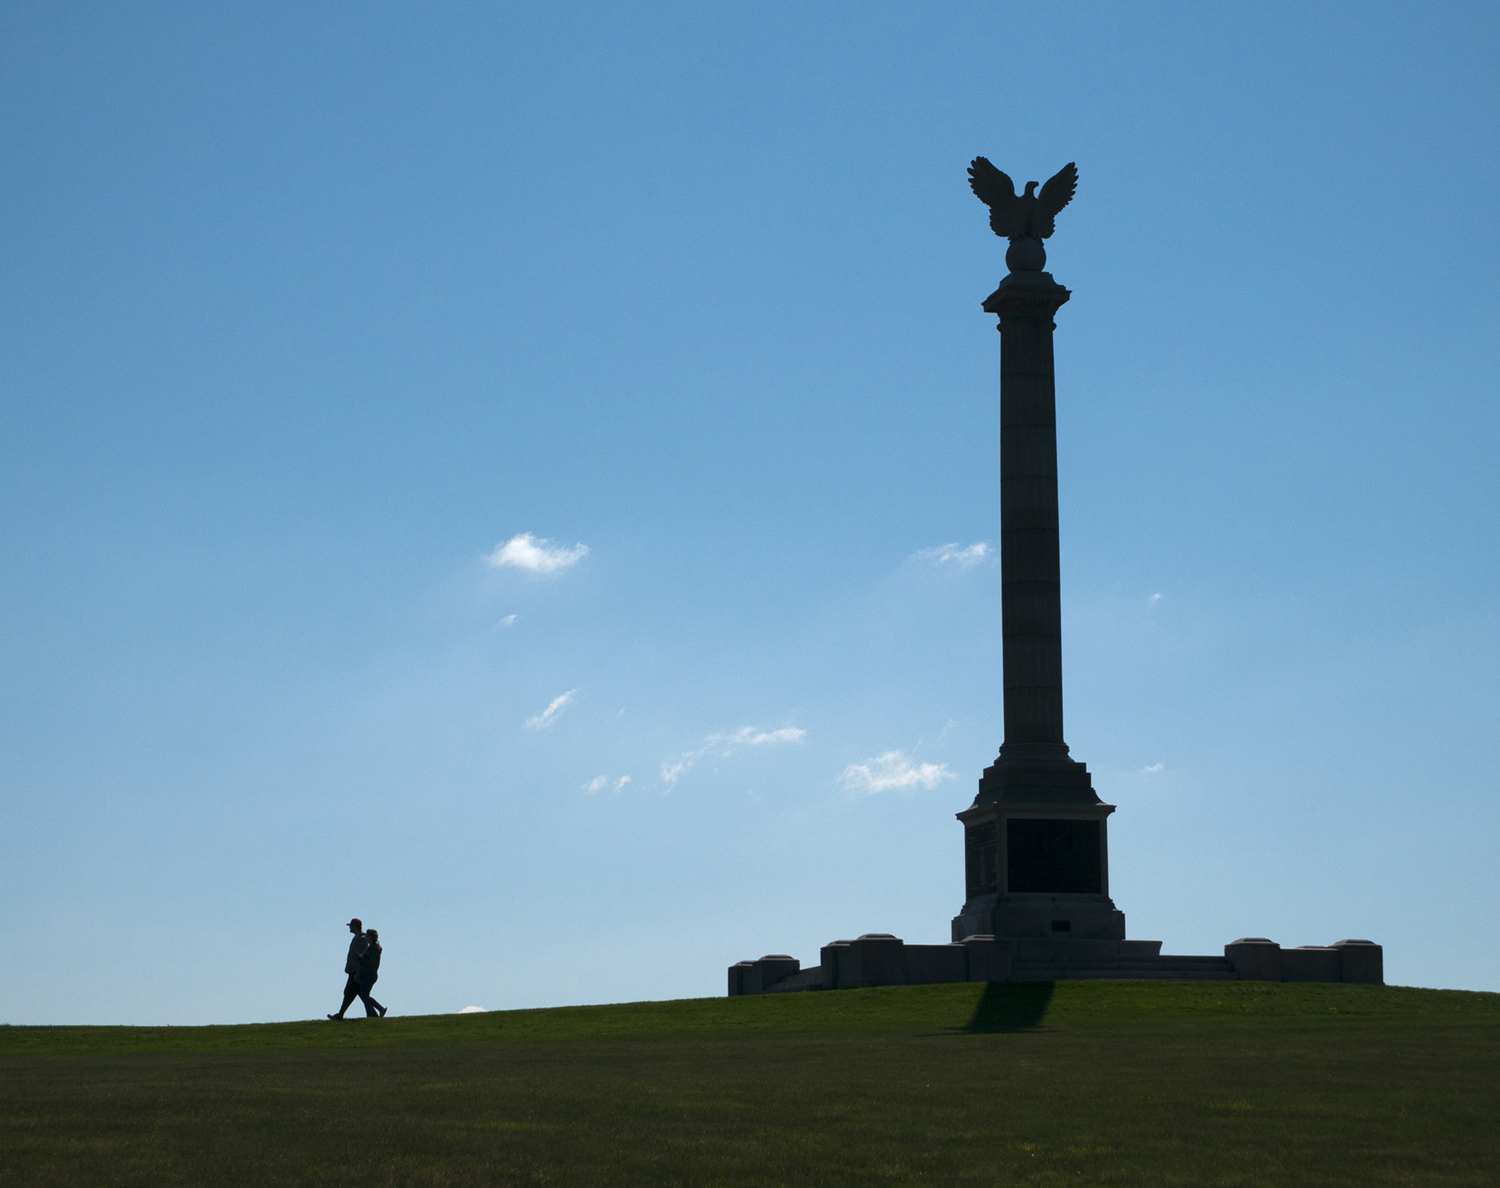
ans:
(1029, 216)
(369, 971)
(357, 949)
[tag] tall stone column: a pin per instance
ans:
(1035, 840)
(1031, 593)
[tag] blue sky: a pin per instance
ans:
(413, 422)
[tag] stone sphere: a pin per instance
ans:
(1026, 255)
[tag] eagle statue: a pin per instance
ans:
(1026, 216)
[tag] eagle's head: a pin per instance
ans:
(1030, 186)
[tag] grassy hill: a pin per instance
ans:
(1089, 1083)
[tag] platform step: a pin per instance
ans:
(1084, 959)
(1076, 973)
(1168, 968)
(1103, 959)
(1215, 966)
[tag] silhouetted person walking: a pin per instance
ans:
(369, 971)
(358, 947)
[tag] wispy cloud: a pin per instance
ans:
(508, 621)
(892, 771)
(1154, 767)
(534, 555)
(724, 743)
(749, 736)
(952, 554)
(554, 711)
(1153, 600)
(599, 783)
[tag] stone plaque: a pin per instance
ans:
(979, 859)
(1060, 857)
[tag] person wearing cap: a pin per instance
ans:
(358, 947)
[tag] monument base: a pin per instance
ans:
(880, 959)
(1037, 915)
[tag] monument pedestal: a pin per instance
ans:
(1036, 855)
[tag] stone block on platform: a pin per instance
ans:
(737, 973)
(834, 958)
(1361, 961)
(876, 959)
(756, 977)
(880, 959)
(1255, 959)
(989, 959)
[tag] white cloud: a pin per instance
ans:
(623, 780)
(892, 770)
(1155, 598)
(951, 554)
(508, 621)
(1154, 767)
(472, 1010)
(533, 555)
(596, 784)
(725, 743)
(554, 711)
(749, 736)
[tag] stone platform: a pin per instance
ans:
(880, 959)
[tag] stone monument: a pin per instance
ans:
(1036, 840)
(1036, 849)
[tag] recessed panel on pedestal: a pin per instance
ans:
(1058, 857)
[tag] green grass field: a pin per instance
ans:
(1089, 1083)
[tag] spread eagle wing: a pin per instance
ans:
(1055, 195)
(998, 192)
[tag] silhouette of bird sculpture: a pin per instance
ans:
(1026, 216)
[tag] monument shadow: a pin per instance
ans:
(1011, 1006)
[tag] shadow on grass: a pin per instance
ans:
(1011, 1006)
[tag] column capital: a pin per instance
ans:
(1026, 294)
